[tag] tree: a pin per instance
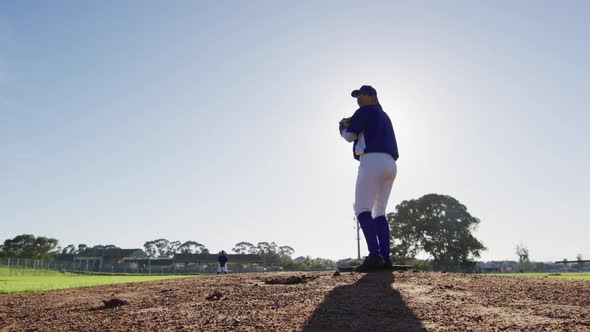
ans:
(173, 248)
(307, 263)
(268, 252)
(438, 225)
(162, 248)
(192, 247)
(264, 248)
(82, 247)
(286, 251)
(150, 248)
(29, 246)
(242, 248)
(523, 256)
(69, 250)
(271, 253)
(322, 264)
(104, 247)
(74, 250)
(46, 247)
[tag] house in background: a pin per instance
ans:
(106, 260)
(64, 259)
(149, 265)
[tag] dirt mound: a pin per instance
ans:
(113, 303)
(383, 301)
(215, 296)
(291, 280)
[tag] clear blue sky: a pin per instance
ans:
(126, 121)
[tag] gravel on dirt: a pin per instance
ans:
(382, 301)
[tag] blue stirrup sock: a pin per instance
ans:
(370, 232)
(382, 227)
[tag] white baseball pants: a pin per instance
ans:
(221, 269)
(374, 181)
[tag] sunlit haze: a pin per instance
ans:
(122, 122)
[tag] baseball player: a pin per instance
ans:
(375, 147)
(222, 263)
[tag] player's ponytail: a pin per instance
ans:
(375, 100)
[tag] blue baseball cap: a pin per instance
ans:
(366, 89)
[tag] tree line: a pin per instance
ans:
(162, 248)
(274, 255)
(435, 226)
(29, 246)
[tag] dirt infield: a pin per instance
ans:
(384, 301)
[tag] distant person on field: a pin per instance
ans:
(222, 263)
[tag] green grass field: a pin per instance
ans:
(39, 280)
(563, 275)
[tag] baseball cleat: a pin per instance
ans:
(387, 264)
(371, 263)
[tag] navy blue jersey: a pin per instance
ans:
(222, 259)
(375, 131)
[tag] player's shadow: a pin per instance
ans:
(370, 304)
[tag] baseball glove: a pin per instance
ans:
(343, 124)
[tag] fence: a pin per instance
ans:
(26, 266)
(23, 266)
